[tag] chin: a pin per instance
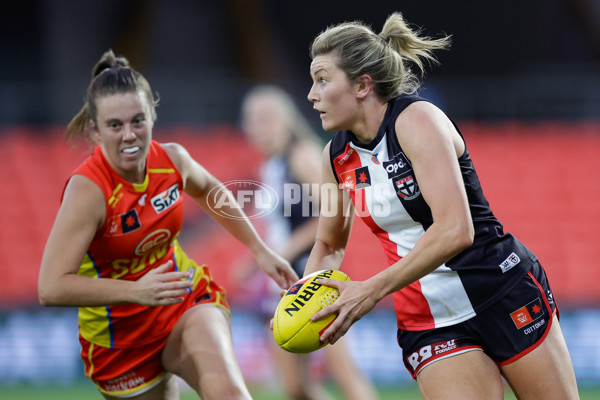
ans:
(330, 128)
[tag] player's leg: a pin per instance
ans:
(129, 372)
(166, 389)
(546, 372)
(348, 377)
(294, 371)
(200, 350)
(449, 363)
(470, 375)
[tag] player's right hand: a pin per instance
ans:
(159, 287)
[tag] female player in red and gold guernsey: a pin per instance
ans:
(146, 311)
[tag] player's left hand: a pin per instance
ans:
(354, 302)
(277, 268)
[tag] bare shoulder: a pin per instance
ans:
(176, 151)
(84, 200)
(328, 175)
(180, 157)
(422, 115)
(82, 187)
(422, 124)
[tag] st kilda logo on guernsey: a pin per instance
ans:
(406, 187)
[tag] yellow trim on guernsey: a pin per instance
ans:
(141, 187)
(91, 361)
(114, 198)
(93, 321)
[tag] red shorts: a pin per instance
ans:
(506, 331)
(132, 371)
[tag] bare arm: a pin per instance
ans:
(335, 223)
(198, 183)
(433, 146)
(81, 214)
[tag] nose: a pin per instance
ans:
(128, 133)
(312, 97)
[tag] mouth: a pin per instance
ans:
(131, 150)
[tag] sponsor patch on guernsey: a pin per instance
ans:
(510, 262)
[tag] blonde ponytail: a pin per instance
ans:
(409, 44)
(386, 57)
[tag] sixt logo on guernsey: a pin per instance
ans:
(356, 178)
(166, 199)
(305, 295)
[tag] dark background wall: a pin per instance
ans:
(518, 59)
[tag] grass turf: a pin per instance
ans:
(86, 391)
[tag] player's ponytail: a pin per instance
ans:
(409, 44)
(107, 61)
(386, 57)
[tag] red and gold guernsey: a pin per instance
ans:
(139, 233)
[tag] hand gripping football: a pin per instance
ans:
(292, 328)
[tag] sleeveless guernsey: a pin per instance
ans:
(139, 233)
(385, 191)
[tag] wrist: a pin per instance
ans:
(258, 248)
(378, 286)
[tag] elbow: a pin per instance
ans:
(46, 296)
(44, 299)
(464, 237)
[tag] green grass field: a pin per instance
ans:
(86, 391)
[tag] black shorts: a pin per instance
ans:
(506, 331)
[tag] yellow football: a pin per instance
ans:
(292, 328)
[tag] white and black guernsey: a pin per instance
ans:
(385, 191)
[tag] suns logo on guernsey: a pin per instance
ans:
(166, 199)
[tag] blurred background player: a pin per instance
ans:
(146, 311)
(276, 128)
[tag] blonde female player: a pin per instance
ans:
(146, 311)
(472, 302)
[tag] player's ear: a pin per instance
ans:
(363, 85)
(93, 131)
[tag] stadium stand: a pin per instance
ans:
(541, 180)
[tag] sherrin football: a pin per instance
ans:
(292, 328)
